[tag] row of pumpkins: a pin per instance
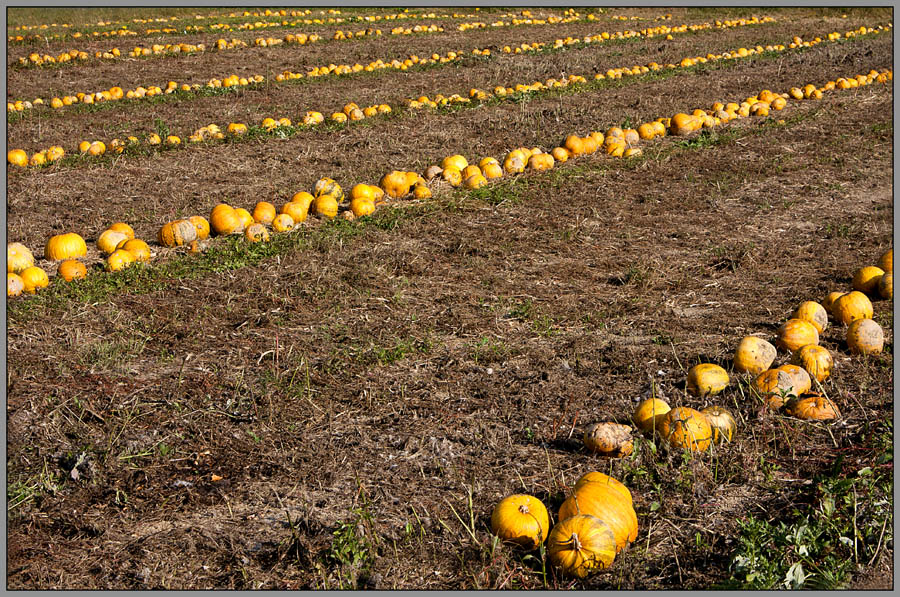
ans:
(597, 520)
(117, 93)
(720, 112)
(364, 199)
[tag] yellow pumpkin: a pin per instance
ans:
(683, 124)
(646, 414)
(256, 233)
(326, 206)
(607, 504)
(202, 226)
(474, 182)
(541, 162)
(303, 197)
(886, 286)
(687, 428)
(828, 303)
(18, 258)
(71, 269)
(814, 313)
(395, 184)
(65, 246)
(796, 333)
(283, 223)
(646, 131)
(581, 544)
(138, 249)
(706, 379)
(33, 278)
(574, 145)
(362, 191)
(244, 216)
(598, 477)
(118, 260)
(124, 228)
(421, 191)
(609, 439)
(816, 360)
(492, 170)
(224, 220)
(514, 164)
(886, 262)
(866, 279)
(754, 355)
(722, 423)
(361, 206)
(177, 233)
(452, 175)
(17, 157)
(800, 379)
(298, 210)
(865, 336)
(813, 407)
(264, 212)
(328, 186)
(852, 306)
(109, 239)
(521, 519)
(14, 284)
(470, 170)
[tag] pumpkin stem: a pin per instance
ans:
(523, 508)
(576, 544)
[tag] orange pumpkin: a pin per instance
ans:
(852, 306)
(816, 360)
(71, 269)
(814, 313)
(754, 355)
(796, 333)
(687, 428)
(521, 519)
(607, 504)
(865, 336)
(581, 544)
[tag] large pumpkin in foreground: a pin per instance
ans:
(521, 519)
(581, 544)
(607, 504)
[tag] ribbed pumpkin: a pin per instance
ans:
(224, 220)
(754, 355)
(607, 504)
(118, 260)
(264, 212)
(886, 262)
(812, 407)
(109, 239)
(494, 170)
(328, 186)
(395, 184)
(138, 249)
(796, 333)
(886, 286)
(256, 233)
(202, 226)
(800, 379)
(18, 257)
(852, 306)
(603, 479)
(326, 206)
(33, 278)
(722, 423)
(706, 379)
(774, 381)
(363, 191)
(71, 269)
(177, 233)
(65, 246)
(814, 313)
(609, 439)
(362, 207)
(866, 279)
(298, 210)
(646, 414)
(283, 223)
(14, 284)
(581, 544)
(829, 301)
(687, 428)
(521, 519)
(304, 198)
(865, 336)
(816, 360)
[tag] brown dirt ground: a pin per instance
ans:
(460, 353)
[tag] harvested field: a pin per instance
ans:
(344, 405)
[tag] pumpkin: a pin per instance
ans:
(706, 379)
(452, 175)
(435, 170)
(65, 246)
(363, 191)
(18, 257)
(454, 161)
(852, 306)
(202, 226)
(812, 407)
(800, 379)
(71, 269)
(886, 286)
(224, 220)
(816, 360)
(722, 423)
(470, 170)
(118, 260)
(574, 145)
(298, 210)
(609, 439)
(177, 233)
(581, 544)
(474, 182)
(598, 477)
(256, 232)
(264, 212)
(886, 261)
(303, 197)
(109, 239)
(607, 504)
(124, 228)
(560, 154)
(646, 131)
(631, 137)
(646, 414)
(138, 249)
(683, 124)
(492, 170)
(866, 279)
(795, 333)
(19, 158)
(521, 519)
(14, 284)
(244, 216)
(754, 355)
(395, 184)
(421, 191)
(283, 223)
(828, 303)
(865, 336)
(33, 278)
(362, 207)
(687, 428)
(514, 164)
(814, 313)
(328, 186)
(774, 381)
(326, 206)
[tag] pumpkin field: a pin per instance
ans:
(449, 298)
